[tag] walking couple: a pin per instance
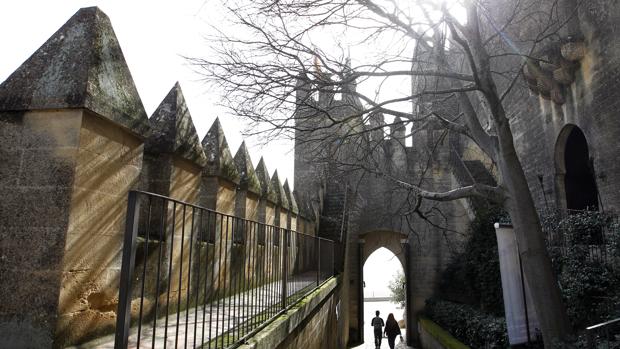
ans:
(391, 330)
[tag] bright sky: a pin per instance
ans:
(153, 35)
(379, 269)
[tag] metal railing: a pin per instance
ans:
(193, 277)
(589, 231)
(604, 335)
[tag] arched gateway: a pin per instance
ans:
(396, 243)
(574, 170)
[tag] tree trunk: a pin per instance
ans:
(539, 276)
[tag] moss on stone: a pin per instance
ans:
(281, 326)
(254, 184)
(80, 66)
(441, 335)
(228, 169)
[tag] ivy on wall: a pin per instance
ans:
(585, 253)
(587, 265)
(468, 324)
(473, 277)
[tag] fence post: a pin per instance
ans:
(284, 266)
(318, 261)
(333, 259)
(129, 251)
(590, 340)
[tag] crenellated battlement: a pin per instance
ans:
(74, 140)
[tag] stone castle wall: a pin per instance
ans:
(375, 208)
(71, 150)
(108, 166)
(537, 122)
(74, 139)
(540, 123)
(319, 330)
(580, 70)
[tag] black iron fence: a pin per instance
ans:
(591, 233)
(192, 277)
(605, 335)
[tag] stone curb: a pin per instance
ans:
(280, 328)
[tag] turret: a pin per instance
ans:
(376, 123)
(397, 130)
(350, 87)
(302, 89)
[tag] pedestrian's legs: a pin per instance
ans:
(378, 335)
(391, 340)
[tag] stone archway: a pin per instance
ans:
(576, 185)
(393, 241)
(396, 243)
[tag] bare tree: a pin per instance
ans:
(425, 63)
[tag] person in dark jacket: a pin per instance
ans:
(377, 324)
(392, 330)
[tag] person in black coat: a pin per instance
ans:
(392, 330)
(377, 324)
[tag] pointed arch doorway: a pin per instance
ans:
(384, 243)
(576, 182)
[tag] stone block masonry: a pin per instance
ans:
(62, 223)
(591, 101)
(311, 323)
(34, 218)
(74, 140)
(73, 145)
(361, 206)
(586, 100)
(107, 167)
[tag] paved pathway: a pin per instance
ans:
(233, 311)
(369, 312)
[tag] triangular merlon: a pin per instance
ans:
(248, 178)
(80, 66)
(219, 158)
(173, 129)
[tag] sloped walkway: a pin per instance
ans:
(384, 345)
(204, 324)
(385, 308)
(370, 344)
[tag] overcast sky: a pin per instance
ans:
(380, 268)
(153, 35)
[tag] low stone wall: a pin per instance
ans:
(311, 323)
(434, 337)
